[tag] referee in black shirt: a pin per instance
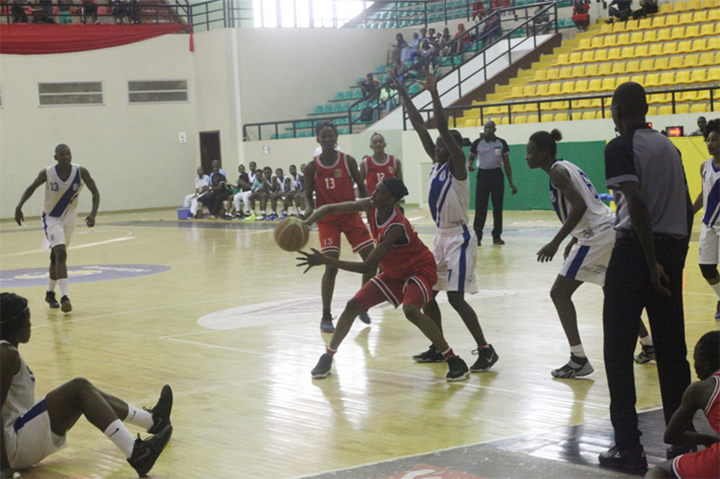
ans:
(654, 219)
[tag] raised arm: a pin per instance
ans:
(355, 173)
(363, 204)
(85, 175)
(560, 179)
(41, 178)
(415, 118)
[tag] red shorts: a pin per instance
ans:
(355, 231)
(702, 464)
(415, 290)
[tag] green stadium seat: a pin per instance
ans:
(339, 96)
(273, 136)
(327, 108)
(414, 88)
(348, 95)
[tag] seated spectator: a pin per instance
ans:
(281, 191)
(19, 15)
(89, 8)
(647, 7)
(580, 16)
(39, 15)
(701, 123)
(202, 185)
(445, 40)
(491, 30)
(241, 199)
(48, 9)
(133, 12)
(65, 14)
(258, 193)
(462, 40)
(370, 88)
(478, 10)
(118, 10)
(408, 54)
(395, 51)
(540, 22)
(622, 12)
(219, 192)
(298, 191)
(386, 95)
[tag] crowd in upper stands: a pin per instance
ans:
(62, 11)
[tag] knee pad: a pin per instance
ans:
(709, 271)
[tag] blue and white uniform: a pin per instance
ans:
(455, 245)
(26, 424)
(59, 215)
(589, 257)
(710, 228)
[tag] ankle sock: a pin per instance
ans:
(120, 436)
(448, 354)
(139, 417)
(330, 351)
(577, 351)
(647, 340)
(51, 285)
(63, 283)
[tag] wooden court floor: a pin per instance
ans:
(232, 325)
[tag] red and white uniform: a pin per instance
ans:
(704, 463)
(334, 184)
(376, 172)
(409, 270)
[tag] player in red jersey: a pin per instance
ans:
(331, 176)
(408, 272)
(380, 165)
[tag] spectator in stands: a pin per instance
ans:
(39, 14)
(462, 40)
(89, 8)
(647, 7)
(118, 10)
(445, 40)
(622, 12)
(370, 88)
(701, 123)
(18, 12)
(408, 54)
(491, 30)
(386, 94)
(395, 51)
(581, 15)
(65, 14)
(133, 12)
(540, 22)
(478, 10)
(48, 10)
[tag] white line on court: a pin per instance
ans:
(99, 243)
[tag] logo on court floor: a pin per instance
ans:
(21, 278)
(426, 471)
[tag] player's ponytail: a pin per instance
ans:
(545, 141)
(14, 312)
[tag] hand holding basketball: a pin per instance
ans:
(291, 234)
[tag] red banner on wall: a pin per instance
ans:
(23, 39)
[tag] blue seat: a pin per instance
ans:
(318, 110)
(357, 94)
(327, 108)
(339, 96)
(348, 95)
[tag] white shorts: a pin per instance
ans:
(30, 440)
(455, 253)
(57, 230)
(588, 262)
(709, 245)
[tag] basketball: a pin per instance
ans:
(291, 234)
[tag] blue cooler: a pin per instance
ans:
(184, 214)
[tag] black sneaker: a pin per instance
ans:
(630, 460)
(432, 355)
(646, 355)
(65, 307)
(674, 451)
(161, 411)
(322, 369)
(498, 240)
(458, 370)
(486, 358)
(717, 312)
(326, 325)
(574, 368)
(50, 299)
(146, 452)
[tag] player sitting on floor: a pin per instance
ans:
(408, 272)
(32, 431)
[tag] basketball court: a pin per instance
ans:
(219, 312)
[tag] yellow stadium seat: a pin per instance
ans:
(699, 45)
(517, 108)
(612, 54)
(693, 5)
(562, 59)
(584, 44)
(645, 24)
(622, 79)
(641, 51)
(647, 65)
(533, 118)
(682, 77)
(636, 37)
(692, 31)
(652, 111)
(664, 110)
(495, 110)
(601, 55)
(658, 98)
(687, 96)
(591, 70)
(663, 35)
(581, 86)
(631, 25)
(679, 6)
(605, 29)
(618, 68)
(713, 15)
(517, 92)
(655, 49)
(665, 8)
(650, 36)
(713, 74)
(700, 16)
(565, 72)
(470, 122)
(554, 89)
(568, 88)
(675, 63)
(578, 71)
(633, 66)
(519, 119)
(691, 61)
(699, 108)
(595, 85)
(661, 64)
(681, 109)
(587, 57)
(540, 75)
(547, 117)
(666, 78)
(638, 79)
(677, 33)
(597, 42)
(651, 79)
(686, 18)
(713, 44)
(576, 116)
(658, 22)
(530, 107)
(561, 117)
(604, 69)
(627, 53)
(706, 59)
(609, 40)
(557, 105)
(588, 115)
(529, 90)
(684, 46)
(504, 121)
(580, 104)
(707, 29)
(669, 48)
(576, 57)
(552, 74)
(618, 27)
(542, 89)
(595, 103)
(608, 84)
(707, 3)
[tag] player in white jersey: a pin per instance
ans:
(455, 246)
(590, 223)
(709, 201)
(31, 430)
(63, 183)
(298, 195)
(202, 185)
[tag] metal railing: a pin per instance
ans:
(178, 12)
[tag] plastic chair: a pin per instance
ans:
(706, 59)
(672, 20)
(520, 119)
(640, 79)
(581, 86)
(652, 111)
(528, 90)
(685, 18)
(578, 71)
(595, 85)
(609, 41)
(652, 79)
(568, 88)
(679, 6)
(658, 22)
(665, 8)
(587, 57)
(633, 66)
(517, 92)
(618, 68)
(699, 108)
(682, 77)
(700, 16)
(667, 78)
(663, 35)
(693, 4)
(675, 63)
(707, 29)
(542, 89)
(664, 110)
(552, 74)
(588, 115)
(691, 61)
(605, 69)
(608, 84)
(636, 37)
(655, 50)
(565, 72)
(677, 33)
(584, 44)
(563, 59)
(591, 70)
(684, 46)
(576, 116)
(602, 55)
(682, 109)
(645, 23)
(618, 27)
(627, 53)
(669, 48)
(546, 118)
(470, 122)
(650, 36)
(540, 75)
(560, 117)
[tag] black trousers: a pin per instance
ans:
(490, 185)
(627, 292)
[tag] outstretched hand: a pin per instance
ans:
(310, 260)
(430, 82)
(396, 83)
